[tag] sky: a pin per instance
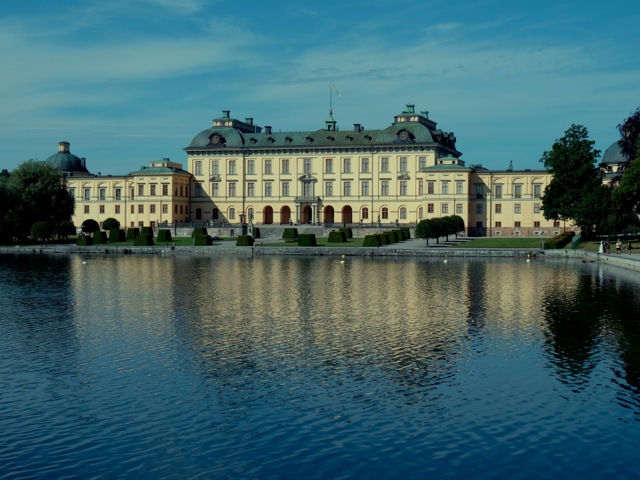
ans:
(131, 82)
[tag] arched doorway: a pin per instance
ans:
(267, 215)
(347, 214)
(306, 215)
(329, 214)
(285, 215)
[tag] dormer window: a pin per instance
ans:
(309, 139)
(216, 139)
(271, 139)
(253, 140)
(288, 139)
(330, 138)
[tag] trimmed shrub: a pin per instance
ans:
(99, 238)
(110, 223)
(244, 241)
(347, 231)
(132, 233)
(202, 241)
(256, 232)
(307, 240)
(559, 241)
(197, 231)
(385, 239)
(337, 237)
(164, 235)
(407, 233)
(393, 236)
(372, 240)
(146, 231)
(117, 235)
(143, 241)
(290, 234)
(84, 240)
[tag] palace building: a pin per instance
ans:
(237, 170)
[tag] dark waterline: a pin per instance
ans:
(181, 367)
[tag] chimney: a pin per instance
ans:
(267, 129)
(249, 120)
(357, 127)
(225, 113)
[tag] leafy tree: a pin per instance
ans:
(66, 229)
(459, 224)
(572, 161)
(627, 193)
(629, 135)
(110, 224)
(41, 231)
(90, 226)
(425, 229)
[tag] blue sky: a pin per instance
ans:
(129, 82)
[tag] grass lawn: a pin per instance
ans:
(321, 241)
(497, 242)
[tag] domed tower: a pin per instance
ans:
(69, 164)
(615, 163)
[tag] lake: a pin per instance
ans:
(183, 366)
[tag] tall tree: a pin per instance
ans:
(629, 135)
(572, 161)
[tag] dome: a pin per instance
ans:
(613, 155)
(66, 162)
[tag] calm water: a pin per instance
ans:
(194, 367)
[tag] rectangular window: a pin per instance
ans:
(152, 208)
(267, 189)
(517, 190)
(445, 208)
(140, 208)
(198, 167)
(536, 208)
(420, 188)
(459, 208)
(403, 188)
(86, 209)
(101, 208)
(459, 187)
(537, 190)
(232, 167)
(215, 167)
(133, 209)
(365, 189)
(131, 193)
(285, 165)
(498, 208)
(445, 188)
(384, 188)
(497, 190)
(72, 192)
(346, 188)
(140, 190)
(232, 189)
(285, 189)
(328, 165)
(403, 165)
(267, 167)
(422, 163)
(517, 224)
(118, 194)
(328, 189)
(517, 208)
(175, 209)
(431, 188)
(251, 189)
(117, 209)
(165, 189)
(478, 208)
(102, 193)
(306, 189)
(536, 224)
(198, 190)
(364, 164)
(556, 223)
(346, 165)
(251, 167)
(430, 208)
(384, 164)
(307, 166)
(87, 194)
(498, 224)
(215, 189)
(479, 191)
(165, 208)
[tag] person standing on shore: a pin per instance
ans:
(629, 247)
(618, 247)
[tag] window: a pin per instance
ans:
(479, 191)
(536, 224)
(537, 190)
(117, 209)
(232, 189)
(152, 208)
(384, 164)
(478, 224)
(307, 189)
(384, 188)
(102, 194)
(131, 193)
(422, 163)
(556, 223)
(459, 208)
(536, 208)
(444, 208)
(267, 189)
(267, 167)
(430, 208)
(285, 165)
(87, 194)
(215, 167)
(72, 192)
(346, 189)
(175, 209)
(498, 208)
(478, 208)
(459, 188)
(232, 213)
(181, 190)
(517, 224)
(403, 164)
(498, 224)
(307, 166)
(251, 167)
(497, 191)
(101, 208)
(420, 188)
(251, 189)
(365, 189)
(165, 208)
(517, 208)
(140, 190)
(198, 214)
(346, 165)
(385, 213)
(215, 189)
(285, 189)
(165, 189)
(445, 188)
(328, 189)
(328, 165)
(215, 214)
(431, 188)
(140, 208)
(364, 165)
(86, 209)
(140, 224)
(403, 213)
(118, 194)
(517, 190)
(198, 167)
(133, 209)
(232, 167)
(403, 187)
(365, 213)
(420, 213)
(198, 190)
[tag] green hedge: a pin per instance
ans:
(407, 233)
(146, 231)
(337, 237)
(559, 241)
(393, 236)
(244, 241)
(132, 233)
(197, 231)
(117, 235)
(256, 232)
(347, 231)
(290, 234)
(99, 237)
(385, 238)
(202, 241)
(84, 240)
(373, 240)
(143, 241)
(307, 240)
(164, 235)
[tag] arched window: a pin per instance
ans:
(250, 215)
(365, 213)
(420, 213)
(232, 213)
(385, 213)
(198, 214)
(403, 213)
(215, 214)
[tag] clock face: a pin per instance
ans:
(215, 139)
(404, 135)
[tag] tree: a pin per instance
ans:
(90, 226)
(629, 135)
(110, 224)
(572, 161)
(66, 229)
(41, 231)
(459, 224)
(627, 193)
